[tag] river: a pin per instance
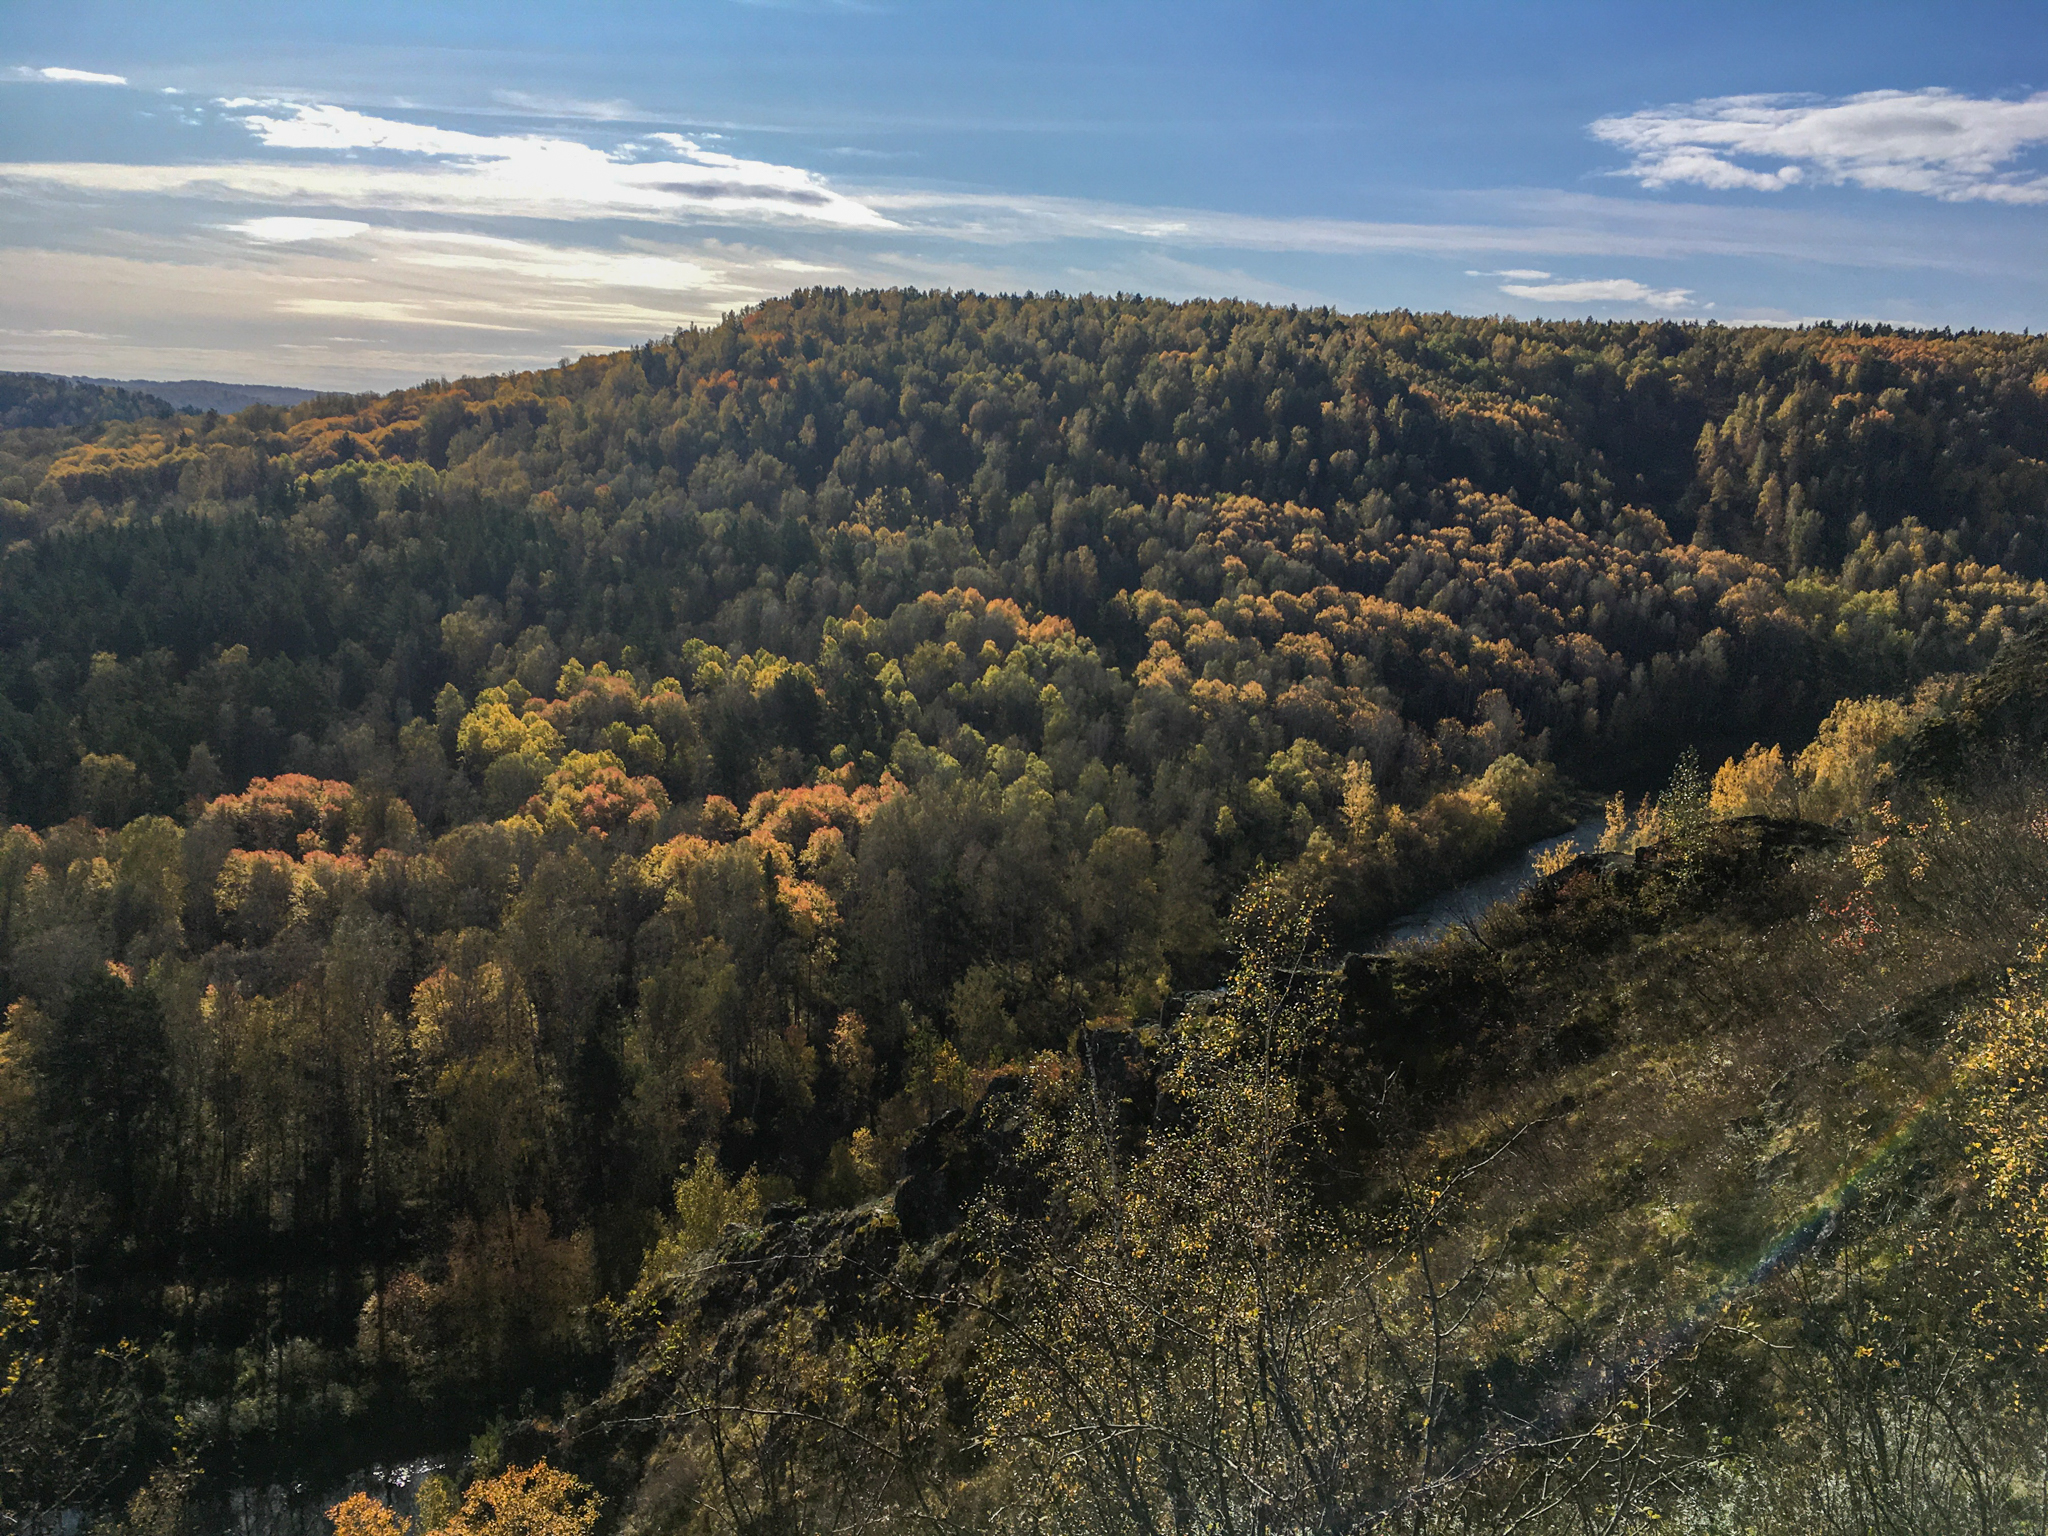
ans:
(1464, 903)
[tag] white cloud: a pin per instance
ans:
(500, 175)
(1933, 142)
(309, 126)
(1524, 273)
(1624, 291)
(71, 76)
(285, 229)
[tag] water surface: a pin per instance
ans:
(1465, 903)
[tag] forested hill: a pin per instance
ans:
(444, 814)
(1398, 529)
(39, 400)
(209, 394)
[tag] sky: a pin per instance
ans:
(362, 196)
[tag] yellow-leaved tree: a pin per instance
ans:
(1840, 770)
(539, 1500)
(361, 1515)
(1761, 784)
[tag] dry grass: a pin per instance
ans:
(1758, 1061)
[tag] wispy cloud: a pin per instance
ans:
(70, 76)
(613, 111)
(58, 333)
(583, 187)
(1502, 223)
(286, 229)
(1623, 292)
(1005, 219)
(574, 266)
(1936, 143)
(343, 158)
(390, 311)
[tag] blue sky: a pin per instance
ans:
(364, 195)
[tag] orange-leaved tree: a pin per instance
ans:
(539, 1500)
(361, 1515)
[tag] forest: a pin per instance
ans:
(779, 931)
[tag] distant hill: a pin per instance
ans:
(41, 400)
(209, 394)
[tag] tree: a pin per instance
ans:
(1684, 810)
(1114, 894)
(521, 1501)
(527, 1501)
(102, 1075)
(1163, 1355)
(107, 787)
(1759, 785)
(361, 1515)
(1840, 770)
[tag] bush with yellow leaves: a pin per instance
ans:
(2005, 1082)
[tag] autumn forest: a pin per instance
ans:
(784, 931)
